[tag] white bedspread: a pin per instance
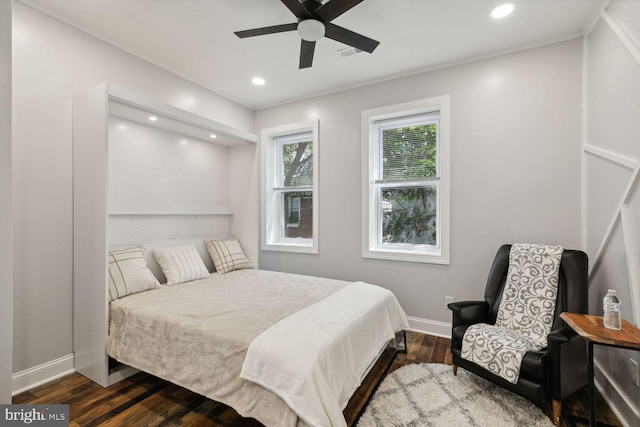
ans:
(197, 334)
(315, 358)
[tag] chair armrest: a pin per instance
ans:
(567, 359)
(562, 336)
(468, 312)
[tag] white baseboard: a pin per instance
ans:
(431, 327)
(624, 406)
(41, 374)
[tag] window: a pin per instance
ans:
(406, 182)
(293, 213)
(289, 192)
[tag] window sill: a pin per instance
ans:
(304, 246)
(431, 257)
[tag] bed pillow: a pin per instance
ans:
(180, 264)
(227, 255)
(128, 273)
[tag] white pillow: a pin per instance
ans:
(227, 255)
(180, 264)
(128, 273)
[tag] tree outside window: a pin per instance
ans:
(409, 211)
(405, 208)
(297, 174)
(289, 193)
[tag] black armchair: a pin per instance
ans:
(553, 373)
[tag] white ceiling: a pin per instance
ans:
(194, 38)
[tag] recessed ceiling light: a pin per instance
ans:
(153, 118)
(213, 136)
(502, 10)
(258, 81)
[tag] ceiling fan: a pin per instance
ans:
(314, 22)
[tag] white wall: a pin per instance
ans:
(515, 172)
(52, 62)
(243, 197)
(6, 221)
(612, 204)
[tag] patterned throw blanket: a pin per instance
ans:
(525, 315)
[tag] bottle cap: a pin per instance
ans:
(612, 290)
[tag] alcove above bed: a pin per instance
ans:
(144, 173)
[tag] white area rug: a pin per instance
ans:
(428, 394)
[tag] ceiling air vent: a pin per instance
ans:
(349, 51)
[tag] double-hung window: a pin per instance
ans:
(289, 190)
(406, 182)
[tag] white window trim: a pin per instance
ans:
(370, 249)
(268, 203)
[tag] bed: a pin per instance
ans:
(205, 334)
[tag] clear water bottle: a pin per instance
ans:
(611, 306)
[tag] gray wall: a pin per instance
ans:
(515, 172)
(6, 222)
(52, 62)
(612, 204)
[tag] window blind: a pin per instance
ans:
(408, 148)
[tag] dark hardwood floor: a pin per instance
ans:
(144, 400)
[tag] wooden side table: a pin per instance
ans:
(593, 331)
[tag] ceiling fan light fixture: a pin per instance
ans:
(311, 30)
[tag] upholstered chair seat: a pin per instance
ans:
(533, 364)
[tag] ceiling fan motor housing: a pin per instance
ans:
(311, 30)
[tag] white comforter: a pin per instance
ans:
(314, 359)
(197, 334)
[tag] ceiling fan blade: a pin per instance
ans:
(350, 38)
(296, 8)
(306, 54)
(266, 30)
(334, 8)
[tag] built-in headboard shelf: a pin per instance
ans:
(139, 181)
(135, 107)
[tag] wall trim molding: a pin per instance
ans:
(621, 216)
(41, 374)
(623, 35)
(431, 327)
(632, 255)
(620, 159)
(622, 211)
(593, 18)
(632, 184)
(622, 405)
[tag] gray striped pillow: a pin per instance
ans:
(181, 264)
(227, 255)
(128, 273)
